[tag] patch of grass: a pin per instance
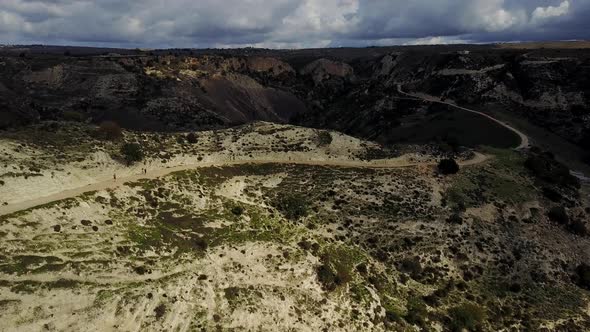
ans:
(503, 179)
(445, 124)
(30, 263)
(30, 286)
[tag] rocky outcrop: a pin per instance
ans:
(271, 66)
(323, 69)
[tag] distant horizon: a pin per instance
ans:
(144, 49)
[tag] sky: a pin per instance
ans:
(289, 23)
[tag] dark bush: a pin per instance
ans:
(324, 138)
(292, 206)
(466, 316)
(552, 194)
(201, 243)
(327, 277)
(109, 130)
(558, 215)
(578, 227)
(448, 166)
(583, 275)
(455, 219)
(160, 311)
(192, 138)
(417, 312)
(333, 272)
(132, 152)
(237, 210)
(411, 266)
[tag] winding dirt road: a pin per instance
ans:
(524, 139)
(157, 173)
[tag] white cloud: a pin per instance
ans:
(287, 23)
(544, 13)
(435, 41)
(493, 15)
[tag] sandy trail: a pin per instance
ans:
(524, 139)
(157, 173)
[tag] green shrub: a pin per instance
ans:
(466, 316)
(327, 277)
(132, 152)
(324, 138)
(448, 166)
(292, 206)
(417, 312)
(333, 273)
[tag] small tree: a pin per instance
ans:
(448, 166)
(110, 130)
(132, 152)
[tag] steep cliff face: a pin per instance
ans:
(148, 92)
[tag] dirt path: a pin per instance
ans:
(524, 139)
(153, 174)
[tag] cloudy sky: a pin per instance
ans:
(288, 23)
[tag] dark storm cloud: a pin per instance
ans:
(288, 23)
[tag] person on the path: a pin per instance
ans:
(114, 177)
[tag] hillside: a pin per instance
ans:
(349, 90)
(266, 227)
